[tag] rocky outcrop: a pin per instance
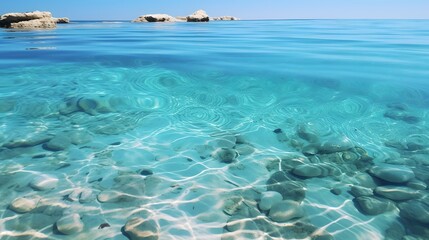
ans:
(198, 16)
(62, 20)
(30, 20)
(225, 18)
(155, 18)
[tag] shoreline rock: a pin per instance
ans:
(225, 18)
(198, 16)
(30, 20)
(61, 20)
(155, 18)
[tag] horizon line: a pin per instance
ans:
(271, 19)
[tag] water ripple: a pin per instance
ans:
(200, 116)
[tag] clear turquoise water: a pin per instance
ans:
(167, 97)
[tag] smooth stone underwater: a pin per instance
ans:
(285, 210)
(282, 183)
(415, 210)
(70, 224)
(44, 182)
(23, 205)
(397, 193)
(268, 199)
(392, 173)
(374, 205)
(139, 228)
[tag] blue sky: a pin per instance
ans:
(245, 9)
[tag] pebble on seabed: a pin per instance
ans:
(23, 205)
(225, 155)
(285, 210)
(141, 229)
(397, 193)
(392, 173)
(44, 182)
(69, 224)
(268, 199)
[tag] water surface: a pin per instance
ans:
(150, 110)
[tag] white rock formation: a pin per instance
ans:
(30, 20)
(155, 18)
(198, 16)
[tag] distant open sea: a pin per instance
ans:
(274, 129)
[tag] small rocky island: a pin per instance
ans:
(30, 20)
(198, 16)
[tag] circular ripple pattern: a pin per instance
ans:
(356, 106)
(209, 99)
(159, 102)
(155, 79)
(203, 117)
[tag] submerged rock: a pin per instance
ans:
(225, 155)
(285, 210)
(308, 131)
(417, 184)
(29, 141)
(280, 135)
(282, 183)
(307, 170)
(69, 106)
(397, 193)
(155, 18)
(244, 149)
(95, 105)
(198, 16)
(395, 232)
(290, 161)
(79, 137)
(414, 142)
(337, 144)
(74, 195)
(69, 224)
(86, 195)
(113, 196)
(141, 229)
(238, 222)
(373, 205)
(402, 116)
(393, 174)
(268, 199)
(58, 143)
(415, 210)
(232, 205)
(44, 182)
(358, 191)
(23, 205)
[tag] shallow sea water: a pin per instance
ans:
(183, 124)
